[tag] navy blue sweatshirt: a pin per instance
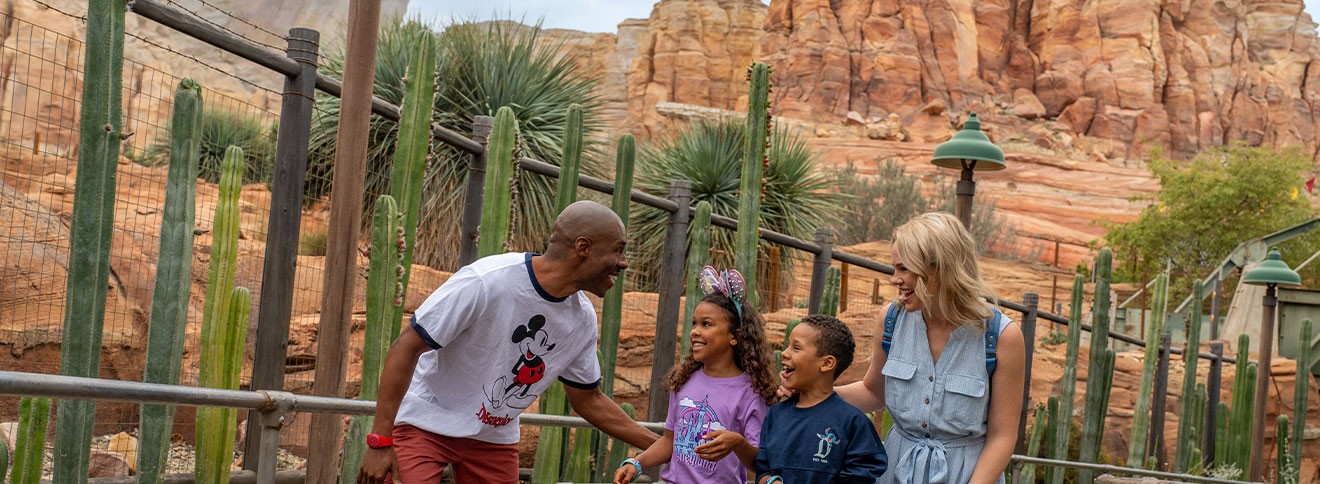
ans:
(830, 442)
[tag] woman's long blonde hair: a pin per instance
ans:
(936, 246)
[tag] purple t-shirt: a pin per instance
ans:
(707, 404)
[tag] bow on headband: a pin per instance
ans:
(728, 283)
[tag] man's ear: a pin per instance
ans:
(828, 363)
(581, 246)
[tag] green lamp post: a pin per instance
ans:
(970, 150)
(1271, 273)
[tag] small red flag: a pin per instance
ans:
(1310, 185)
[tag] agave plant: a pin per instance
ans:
(798, 196)
(481, 67)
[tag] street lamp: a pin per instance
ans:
(970, 150)
(1271, 273)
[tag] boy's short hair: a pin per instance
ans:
(835, 340)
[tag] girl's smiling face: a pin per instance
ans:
(712, 334)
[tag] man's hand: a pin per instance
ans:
(719, 444)
(379, 466)
(625, 474)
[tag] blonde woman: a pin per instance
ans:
(947, 366)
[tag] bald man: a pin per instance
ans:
(490, 340)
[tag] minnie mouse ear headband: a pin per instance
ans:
(728, 283)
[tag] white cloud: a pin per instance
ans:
(687, 402)
(717, 426)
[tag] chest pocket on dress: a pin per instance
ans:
(964, 399)
(901, 391)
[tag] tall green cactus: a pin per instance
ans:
(754, 162)
(173, 286)
(222, 331)
(495, 210)
(4, 460)
(30, 449)
(383, 299)
(549, 450)
(612, 310)
(571, 164)
(579, 462)
(697, 257)
(829, 301)
(1039, 424)
(1284, 470)
(1137, 451)
(216, 426)
(1068, 391)
(1187, 422)
(1093, 429)
(1069, 384)
(788, 330)
(410, 155)
(1244, 399)
(1301, 389)
(93, 219)
(1101, 365)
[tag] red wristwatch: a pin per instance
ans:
(379, 441)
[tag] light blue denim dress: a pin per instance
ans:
(939, 409)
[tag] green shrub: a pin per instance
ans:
(220, 130)
(876, 205)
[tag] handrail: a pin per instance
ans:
(62, 386)
(1019, 459)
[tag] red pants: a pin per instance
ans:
(423, 456)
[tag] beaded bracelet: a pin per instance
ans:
(636, 465)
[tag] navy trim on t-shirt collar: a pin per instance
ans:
(537, 284)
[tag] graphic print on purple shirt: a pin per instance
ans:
(694, 421)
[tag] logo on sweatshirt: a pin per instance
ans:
(827, 442)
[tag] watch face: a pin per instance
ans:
(373, 440)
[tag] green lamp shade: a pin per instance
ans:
(1272, 271)
(969, 144)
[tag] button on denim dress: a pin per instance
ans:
(939, 409)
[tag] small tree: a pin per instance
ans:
(877, 205)
(1207, 206)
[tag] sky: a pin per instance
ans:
(585, 15)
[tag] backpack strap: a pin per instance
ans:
(992, 327)
(891, 320)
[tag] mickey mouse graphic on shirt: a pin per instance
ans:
(528, 370)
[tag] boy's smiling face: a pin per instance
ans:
(804, 367)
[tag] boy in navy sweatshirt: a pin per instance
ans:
(814, 436)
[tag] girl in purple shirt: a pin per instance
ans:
(718, 395)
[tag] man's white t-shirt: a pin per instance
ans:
(499, 340)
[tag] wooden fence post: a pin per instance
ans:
(670, 306)
(843, 289)
(824, 239)
(476, 183)
(1031, 300)
(1158, 402)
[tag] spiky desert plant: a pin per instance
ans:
(30, 448)
(221, 356)
(755, 161)
(1052, 422)
(495, 214)
(829, 301)
(1101, 366)
(88, 273)
(173, 286)
(383, 300)
(788, 330)
(410, 157)
(1069, 385)
(481, 67)
(1038, 424)
(612, 308)
(697, 257)
(571, 162)
(1187, 423)
(549, 449)
(579, 461)
(1240, 427)
(1223, 454)
(4, 460)
(216, 426)
(1283, 468)
(1137, 451)
(1301, 390)
(798, 196)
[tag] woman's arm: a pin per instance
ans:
(869, 393)
(1005, 407)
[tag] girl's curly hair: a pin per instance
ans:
(751, 354)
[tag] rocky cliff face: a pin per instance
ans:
(1177, 74)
